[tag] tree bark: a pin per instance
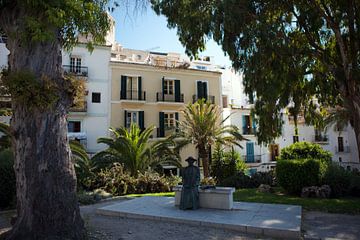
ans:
(204, 155)
(47, 206)
(356, 122)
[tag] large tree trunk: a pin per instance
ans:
(356, 122)
(47, 206)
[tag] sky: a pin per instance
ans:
(144, 30)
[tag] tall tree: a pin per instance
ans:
(203, 126)
(288, 50)
(37, 31)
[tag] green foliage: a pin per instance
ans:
(302, 150)
(354, 188)
(306, 150)
(293, 175)
(5, 136)
(133, 149)
(241, 180)
(7, 180)
(226, 164)
(92, 197)
(208, 181)
(118, 182)
(25, 88)
(338, 179)
(203, 126)
(313, 51)
(71, 18)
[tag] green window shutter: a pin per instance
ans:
(140, 96)
(125, 118)
(200, 90)
(205, 95)
(161, 124)
(244, 130)
(177, 121)
(141, 120)
(177, 91)
(163, 88)
(123, 87)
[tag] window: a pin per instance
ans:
(75, 65)
(225, 101)
(96, 97)
(169, 87)
(200, 67)
(74, 126)
(295, 139)
(131, 117)
(340, 144)
(132, 83)
(169, 120)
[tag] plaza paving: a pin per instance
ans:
(268, 220)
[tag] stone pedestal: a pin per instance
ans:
(218, 198)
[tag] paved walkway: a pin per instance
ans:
(269, 220)
(319, 225)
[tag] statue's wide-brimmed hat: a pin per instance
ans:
(190, 159)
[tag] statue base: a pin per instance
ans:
(218, 198)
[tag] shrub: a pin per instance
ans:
(118, 182)
(338, 179)
(293, 175)
(354, 188)
(208, 181)
(239, 180)
(305, 150)
(7, 179)
(267, 178)
(226, 164)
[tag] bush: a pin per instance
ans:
(305, 150)
(338, 179)
(267, 178)
(7, 179)
(354, 188)
(293, 175)
(118, 182)
(226, 164)
(239, 180)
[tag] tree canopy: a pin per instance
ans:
(303, 52)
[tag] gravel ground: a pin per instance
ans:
(316, 225)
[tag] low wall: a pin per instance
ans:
(219, 197)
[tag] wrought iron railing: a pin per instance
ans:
(133, 95)
(209, 98)
(76, 70)
(160, 97)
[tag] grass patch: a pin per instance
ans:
(333, 205)
(163, 194)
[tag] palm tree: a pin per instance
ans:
(203, 126)
(132, 148)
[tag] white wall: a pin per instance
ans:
(4, 52)
(95, 123)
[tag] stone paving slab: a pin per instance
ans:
(270, 220)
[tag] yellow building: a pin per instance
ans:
(152, 89)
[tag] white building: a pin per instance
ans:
(342, 144)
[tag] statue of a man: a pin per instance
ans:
(190, 190)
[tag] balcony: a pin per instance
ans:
(167, 132)
(160, 97)
(133, 95)
(76, 70)
(248, 131)
(78, 136)
(209, 98)
(344, 149)
(252, 158)
(79, 107)
(321, 139)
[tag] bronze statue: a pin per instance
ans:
(190, 189)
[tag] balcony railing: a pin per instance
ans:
(133, 95)
(321, 138)
(80, 106)
(160, 97)
(344, 149)
(248, 131)
(167, 131)
(252, 158)
(209, 98)
(76, 70)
